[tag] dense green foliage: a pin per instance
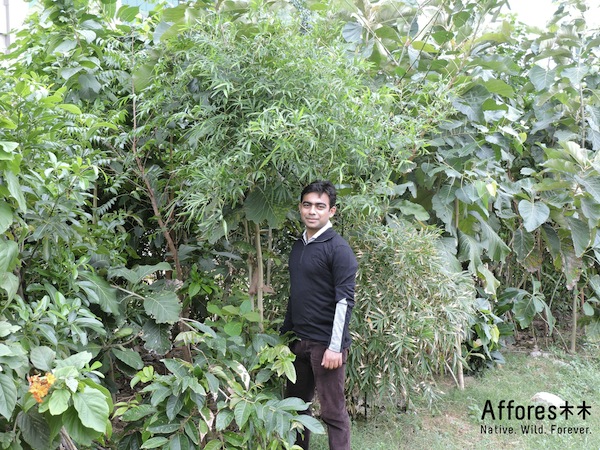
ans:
(150, 167)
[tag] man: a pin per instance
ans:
(322, 278)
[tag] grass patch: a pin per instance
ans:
(459, 420)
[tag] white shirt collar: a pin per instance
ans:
(327, 226)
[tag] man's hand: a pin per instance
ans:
(331, 359)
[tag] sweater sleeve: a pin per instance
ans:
(344, 268)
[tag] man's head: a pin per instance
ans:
(317, 205)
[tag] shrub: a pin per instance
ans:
(411, 313)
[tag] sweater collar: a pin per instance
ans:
(327, 226)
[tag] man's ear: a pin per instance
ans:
(332, 211)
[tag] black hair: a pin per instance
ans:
(321, 187)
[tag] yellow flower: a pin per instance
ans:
(39, 386)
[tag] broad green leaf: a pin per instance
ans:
(138, 412)
(69, 72)
(6, 328)
(42, 358)
(592, 330)
(595, 284)
(387, 32)
(423, 46)
(442, 36)
(261, 206)
(461, 18)
(35, 430)
(591, 183)
(242, 412)
(310, 423)
(534, 214)
(352, 32)
(292, 404)
(9, 251)
(180, 441)
(552, 240)
(542, 79)
(575, 74)
(178, 367)
(499, 87)
(192, 432)
(163, 306)
(412, 209)
(155, 442)
(285, 367)
(160, 394)
(129, 357)
(6, 216)
(89, 84)
(128, 13)
(494, 246)
(224, 418)
(157, 337)
(92, 408)
(8, 396)
(65, 46)
(70, 108)
(233, 328)
(588, 309)
(7, 123)
(580, 234)
(15, 189)
(142, 76)
(470, 249)
(571, 265)
(59, 401)
(214, 444)
(78, 360)
(174, 406)
(490, 282)
(8, 148)
(523, 243)
(139, 273)
(99, 292)
(163, 428)
(10, 283)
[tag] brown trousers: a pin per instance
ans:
(329, 385)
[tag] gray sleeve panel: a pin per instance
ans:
(339, 321)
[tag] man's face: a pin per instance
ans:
(315, 211)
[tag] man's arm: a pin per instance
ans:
(344, 278)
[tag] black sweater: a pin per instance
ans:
(322, 280)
